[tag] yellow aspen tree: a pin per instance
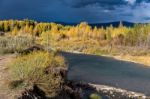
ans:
(15, 31)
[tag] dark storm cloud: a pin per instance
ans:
(93, 11)
(82, 3)
(147, 18)
(139, 1)
(20, 9)
(104, 3)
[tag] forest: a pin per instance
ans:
(89, 39)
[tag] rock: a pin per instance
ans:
(115, 92)
(2, 33)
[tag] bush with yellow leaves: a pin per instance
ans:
(30, 70)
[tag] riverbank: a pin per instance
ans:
(118, 93)
(106, 92)
(136, 54)
(144, 60)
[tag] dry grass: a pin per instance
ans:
(9, 44)
(145, 60)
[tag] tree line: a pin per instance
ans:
(138, 35)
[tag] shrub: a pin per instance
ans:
(95, 96)
(31, 70)
(9, 44)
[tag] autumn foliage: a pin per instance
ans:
(52, 34)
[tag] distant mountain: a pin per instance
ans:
(114, 24)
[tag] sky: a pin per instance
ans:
(75, 11)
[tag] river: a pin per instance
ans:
(108, 71)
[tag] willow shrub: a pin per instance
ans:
(30, 69)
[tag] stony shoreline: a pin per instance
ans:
(107, 92)
(118, 93)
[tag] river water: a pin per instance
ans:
(108, 71)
